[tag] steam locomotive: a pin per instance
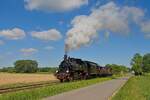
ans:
(76, 69)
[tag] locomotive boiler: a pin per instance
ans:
(77, 69)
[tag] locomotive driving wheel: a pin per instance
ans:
(61, 80)
(85, 76)
(70, 78)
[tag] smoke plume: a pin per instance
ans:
(109, 17)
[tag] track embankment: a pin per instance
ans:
(27, 86)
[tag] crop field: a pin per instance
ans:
(15, 78)
(137, 88)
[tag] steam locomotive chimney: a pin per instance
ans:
(65, 57)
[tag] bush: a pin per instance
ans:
(118, 69)
(47, 69)
(26, 66)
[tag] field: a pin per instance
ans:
(14, 78)
(39, 93)
(137, 88)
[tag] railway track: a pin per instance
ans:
(27, 87)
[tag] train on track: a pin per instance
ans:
(76, 69)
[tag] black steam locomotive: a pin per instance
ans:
(75, 69)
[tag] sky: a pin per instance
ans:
(102, 31)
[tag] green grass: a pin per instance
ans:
(137, 88)
(39, 93)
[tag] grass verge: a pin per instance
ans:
(39, 93)
(137, 88)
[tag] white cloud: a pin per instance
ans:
(1, 42)
(61, 22)
(54, 5)
(51, 34)
(109, 17)
(145, 27)
(13, 34)
(49, 48)
(147, 36)
(136, 14)
(28, 51)
(106, 34)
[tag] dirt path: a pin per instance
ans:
(100, 91)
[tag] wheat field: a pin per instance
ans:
(14, 78)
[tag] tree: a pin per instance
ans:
(136, 63)
(146, 63)
(26, 66)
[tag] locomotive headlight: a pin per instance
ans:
(56, 71)
(67, 71)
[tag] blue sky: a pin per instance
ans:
(109, 31)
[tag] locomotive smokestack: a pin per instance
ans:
(66, 51)
(65, 57)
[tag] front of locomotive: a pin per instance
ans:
(63, 73)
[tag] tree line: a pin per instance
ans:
(140, 64)
(27, 66)
(31, 66)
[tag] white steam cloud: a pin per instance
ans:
(108, 17)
